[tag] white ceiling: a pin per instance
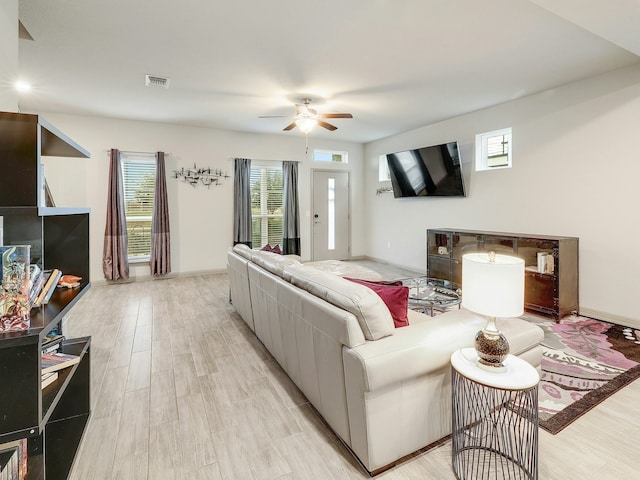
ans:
(394, 64)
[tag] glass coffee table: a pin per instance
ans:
(429, 294)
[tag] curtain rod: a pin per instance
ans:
(108, 152)
(264, 160)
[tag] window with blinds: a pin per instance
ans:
(266, 206)
(493, 149)
(139, 178)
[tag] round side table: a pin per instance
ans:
(495, 419)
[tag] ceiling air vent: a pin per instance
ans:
(156, 81)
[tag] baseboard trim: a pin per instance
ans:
(151, 278)
(373, 259)
(610, 317)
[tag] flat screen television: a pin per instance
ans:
(427, 172)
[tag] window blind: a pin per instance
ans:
(497, 150)
(266, 206)
(139, 177)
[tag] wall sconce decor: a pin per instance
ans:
(196, 175)
(382, 190)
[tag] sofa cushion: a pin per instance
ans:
(372, 314)
(520, 333)
(273, 262)
(394, 295)
(345, 269)
(243, 250)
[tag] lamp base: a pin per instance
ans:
(492, 348)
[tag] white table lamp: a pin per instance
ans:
(493, 286)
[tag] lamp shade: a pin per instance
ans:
(494, 288)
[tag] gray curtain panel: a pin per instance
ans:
(242, 202)
(115, 263)
(291, 209)
(160, 232)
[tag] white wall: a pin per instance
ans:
(8, 55)
(201, 218)
(576, 172)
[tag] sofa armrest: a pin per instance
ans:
(412, 351)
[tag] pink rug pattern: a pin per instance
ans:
(584, 361)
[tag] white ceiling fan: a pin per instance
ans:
(306, 117)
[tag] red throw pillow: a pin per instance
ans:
(267, 248)
(394, 295)
(277, 250)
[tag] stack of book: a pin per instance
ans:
(13, 460)
(53, 360)
(37, 282)
(51, 343)
(43, 284)
(545, 262)
(47, 290)
(48, 379)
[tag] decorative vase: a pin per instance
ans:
(15, 288)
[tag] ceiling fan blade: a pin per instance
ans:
(335, 115)
(277, 116)
(291, 126)
(326, 125)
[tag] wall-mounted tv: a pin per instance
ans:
(427, 172)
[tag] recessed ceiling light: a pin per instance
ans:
(23, 86)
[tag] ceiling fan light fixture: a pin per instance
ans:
(306, 118)
(306, 124)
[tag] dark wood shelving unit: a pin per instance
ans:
(52, 419)
(553, 294)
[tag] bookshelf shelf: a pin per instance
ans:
(52, 419)
(52, 394)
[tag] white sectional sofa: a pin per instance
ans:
(385, 391)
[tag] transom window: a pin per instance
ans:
(266, 205)
(493, 149)
(139, 179)
(330, 156)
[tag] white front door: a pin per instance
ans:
(330, 215)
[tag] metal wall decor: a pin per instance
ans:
(205, 176)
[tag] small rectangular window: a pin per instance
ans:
(383, 169)
(493, 150)
(330, 156)
(139, 180)
(266, 206)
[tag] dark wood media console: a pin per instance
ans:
(551, 287)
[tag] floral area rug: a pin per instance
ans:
(584, 361)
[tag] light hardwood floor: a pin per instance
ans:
(182, 389)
